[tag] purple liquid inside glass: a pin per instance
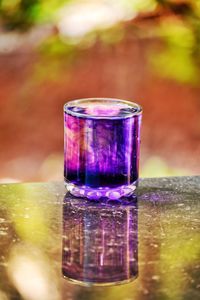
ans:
(102, 141)
(100, 242)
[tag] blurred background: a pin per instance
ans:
(147, 51)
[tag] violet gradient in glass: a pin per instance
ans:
(100, 242)
(102, 141)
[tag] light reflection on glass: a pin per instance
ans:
(100, 242)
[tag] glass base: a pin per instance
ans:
(101, 192)
(102, 284)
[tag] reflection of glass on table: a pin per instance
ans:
(100, 244)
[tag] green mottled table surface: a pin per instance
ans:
(33, 235)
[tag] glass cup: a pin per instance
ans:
(101, 147)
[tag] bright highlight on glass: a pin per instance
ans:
(102, 141)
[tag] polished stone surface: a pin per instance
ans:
(152, 241)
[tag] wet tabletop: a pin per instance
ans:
(54, 246)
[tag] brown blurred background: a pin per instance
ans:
(147, 51)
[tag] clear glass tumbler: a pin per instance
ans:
(101, 147)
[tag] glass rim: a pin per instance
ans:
(82, 100)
